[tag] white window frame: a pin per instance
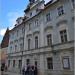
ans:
(66, 62)
(48, 17)
(62, 36)
(29, 44)
(15, 48)
(36, 42)
(29, 26)
(49, 39)
(36, 23)
(60, 10)
(50, 63)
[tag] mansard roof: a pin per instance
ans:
(47, 4)
(50, 2)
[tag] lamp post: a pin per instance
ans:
(23, 31)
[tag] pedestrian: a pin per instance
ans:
(32, 70)
(5, 67)
(35, 71)
(28, 70)
(2, 69)
(23, 70)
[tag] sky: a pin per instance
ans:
(10, 10)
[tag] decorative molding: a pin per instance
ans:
(61, 22)
(48, 27)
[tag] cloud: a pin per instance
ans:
(2, 32)
(12, 16)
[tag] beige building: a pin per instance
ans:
(4, 47)
(44, 37)
(0, 56)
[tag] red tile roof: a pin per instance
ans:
(5, 40)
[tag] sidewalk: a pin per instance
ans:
(11, 73)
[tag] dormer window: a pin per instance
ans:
(32, 1)
(19, 20)
(30, 14)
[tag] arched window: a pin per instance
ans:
(49, 39)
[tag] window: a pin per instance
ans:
(13, 63)
(48, 17)
(8, 63)
(73, 3)
(21, 47)
(63, 35)
(30, 14)
(17, 33)
(66, 63)
(15, 47)
(60, 10)
(30, 26)
(20, 64)
(50, 63)
(29, 42)
(28, 61)
(36, 42)
(11, 48)
(36, 23)
(49, 39)
(36, 63)
(13, 35)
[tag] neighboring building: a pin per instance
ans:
(4, 47)
(0, 55)
(44, 37)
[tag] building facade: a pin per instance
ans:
(4, 47)
(44, 37)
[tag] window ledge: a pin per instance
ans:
(47, 22)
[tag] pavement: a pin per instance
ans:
(11, 73)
